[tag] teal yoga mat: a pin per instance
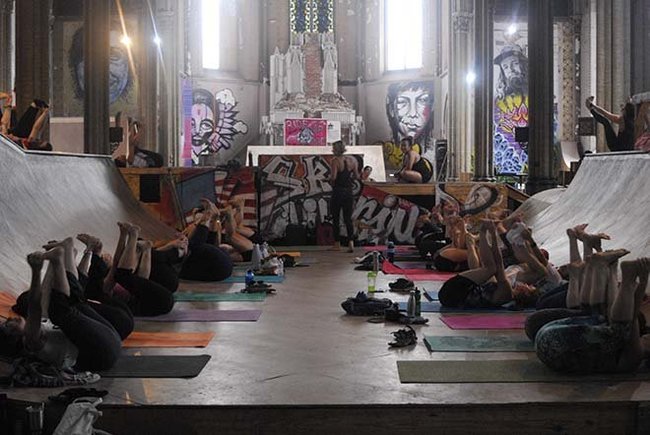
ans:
(242, 279)
(219, 297)
(505, 371)
(500, 343)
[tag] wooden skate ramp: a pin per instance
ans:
(611, 192)
(49, 196)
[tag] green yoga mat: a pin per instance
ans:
(157, 366)
(219, 297)
(508, 371)
(499, 343)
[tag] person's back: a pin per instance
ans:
(345, 173)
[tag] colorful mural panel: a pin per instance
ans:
(305, 132)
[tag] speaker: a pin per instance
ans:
(521, 134)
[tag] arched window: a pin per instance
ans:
(403, 34)
(210, 25)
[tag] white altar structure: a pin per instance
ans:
(304, 84)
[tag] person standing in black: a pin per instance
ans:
(344, 170)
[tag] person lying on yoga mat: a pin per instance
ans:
(487, 283)
(453, 257)
(28, 130)
(194, 255)
(131, 269)
(75, 336)
(609, 338)
(623, 139)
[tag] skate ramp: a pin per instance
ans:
(49, 196)
(611, 192)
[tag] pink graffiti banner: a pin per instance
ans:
(186, 149)
(306, 131)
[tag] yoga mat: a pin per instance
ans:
(485, 321)
(168, 339)
(429, 275)
(478, 344)
(157, 366)
(436, 307)
(391, 269)
(6, 302)
(219, 297)
(430, 295)
(406, 264)
(401, 249)
(461, 372)
(206, 316)
(265, 278)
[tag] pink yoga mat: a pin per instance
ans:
(400, 249)
(485, 321)
(206, 316)
(430, 275)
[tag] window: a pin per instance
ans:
(210, 24)
(403, 32)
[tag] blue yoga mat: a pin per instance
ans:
(431, 295)
(264, 278)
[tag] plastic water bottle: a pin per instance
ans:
(375, 262)
(265, 250)
(410, 305)
(418, 303)
(280, 267)
(372, 280)
(256, 257)
(390, 252)
(250, 277)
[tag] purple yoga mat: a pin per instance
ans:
(206, 316)
(485, 321)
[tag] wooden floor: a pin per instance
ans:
(306, 367)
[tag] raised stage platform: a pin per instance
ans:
(304, 366)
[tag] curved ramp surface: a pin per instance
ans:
(611, 192)
(49, 196)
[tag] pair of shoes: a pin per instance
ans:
(367, 257)
(402, 285)
(404, 337)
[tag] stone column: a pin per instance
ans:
(147, 77)
(483, 91)
(6, 45)
(170, 20)
(97, 16)
(33, 58)
(460, 50)
(640, 46)
(542, 170)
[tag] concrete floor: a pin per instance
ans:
(304, 350)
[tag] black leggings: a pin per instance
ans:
(205, 262)
(148, 298)
(614, 142)
(97, 341)
(24, 126)
(163, 270)
(342, 200)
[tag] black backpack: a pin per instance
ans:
(362, 305)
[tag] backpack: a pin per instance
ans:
(362, 305)
(325, 233)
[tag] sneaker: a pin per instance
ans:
(402, 285)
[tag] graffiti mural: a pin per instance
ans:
(409, 108)
(214, 122)
(305, 132)
(510, 102)
(393, 155)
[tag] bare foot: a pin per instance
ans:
(132, 229)
(35, 260)
(54, 255)
(589, 102)
(67, 242)
(92, 243)
(594, 240)
(610, 256)
(123, 226)
(577, 231)
(143, 245)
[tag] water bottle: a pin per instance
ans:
(375, 262)
(265, 250)
(390, 252)
(410, 305)
(280, 267)
(372, 279)
(256, 257)
(418, 303)
(250, 277)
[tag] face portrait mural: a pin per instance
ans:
(120, 75)
(409, 108)
(513, 71)
(203, 121)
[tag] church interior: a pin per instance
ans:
(324, 216)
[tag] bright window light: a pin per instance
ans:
(210, 33)
(404, 22)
